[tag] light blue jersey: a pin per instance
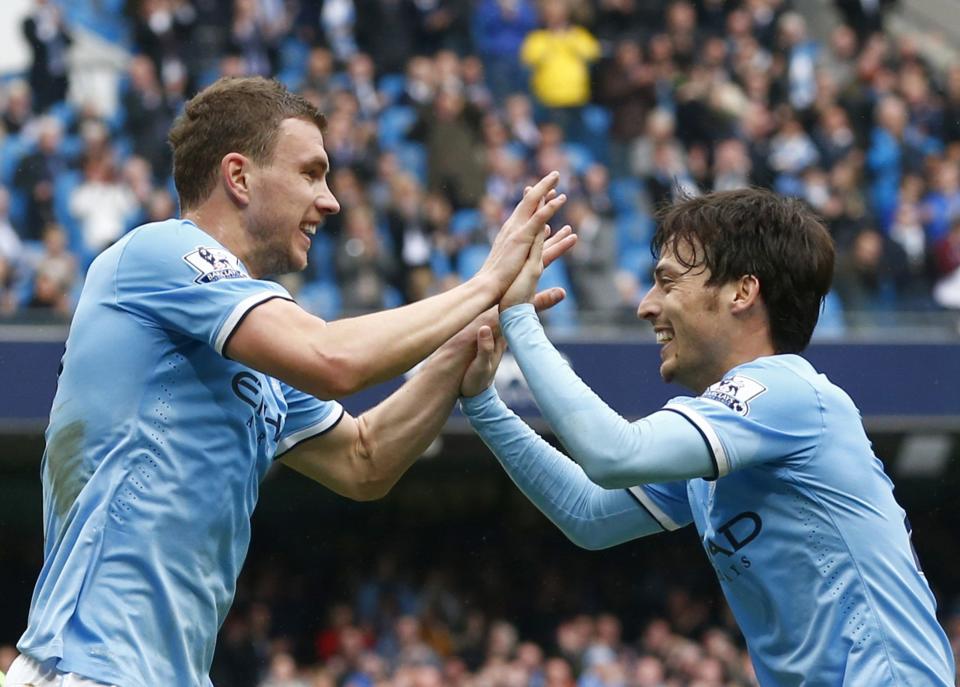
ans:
(793, 508)
(155, 451)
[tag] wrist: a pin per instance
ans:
(471, 404)
(486, 285)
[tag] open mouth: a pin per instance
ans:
(309, 229)
(664, 336)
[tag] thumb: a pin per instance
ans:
(485, 343)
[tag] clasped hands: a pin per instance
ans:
(486, 341)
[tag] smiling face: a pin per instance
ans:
(289, 199)
(690, 322)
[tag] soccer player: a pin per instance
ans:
(186, 375)
(769, 460)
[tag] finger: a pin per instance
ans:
(543, 215)
(548, 298)
(528, 204)
(535, 257)
(554, 237)
(558, 245)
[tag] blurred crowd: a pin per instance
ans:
(397, 632)
(441, 111)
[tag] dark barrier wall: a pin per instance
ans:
(896, 386)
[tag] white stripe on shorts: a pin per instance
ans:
(26, 672)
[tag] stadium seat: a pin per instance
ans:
(831, 324)
(634, 229)
(413, 159)
(464, 221)
(625, 192)
(322, 298)
(579, 155)
(470, 258)
(393, 125)
(636, 260)
(391, 87)
(440, 264)
(562, 316)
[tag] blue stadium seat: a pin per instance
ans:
(638, 261)
(831, 324)
(321, 255)
(633, 228)
(470, 258)
(464, 221)
(391, 87)
(562, 316)
(63, 189)
(440, 264)
(596, 119)
(106, 18)
(393, 125)
(625, 192)
(579, 155)
(413, 159)
(322, 298)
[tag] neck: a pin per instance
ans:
(224, 224)
(751, 345)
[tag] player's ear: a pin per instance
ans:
(235, 176)
(746, 294)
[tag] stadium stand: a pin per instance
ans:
(686, 97)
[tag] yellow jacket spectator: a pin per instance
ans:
(559, 56)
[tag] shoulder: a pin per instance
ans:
(780, 383)
(178, 249)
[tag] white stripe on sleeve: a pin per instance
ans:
(288, 442)
(713, 441)
(239, 312)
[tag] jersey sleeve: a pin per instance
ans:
(181, 280)
(666, 502)
(759, 413)
(307, 417)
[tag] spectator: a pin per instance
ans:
(626, 84)
(364, 268)
(559, 56)
(18, 108)
(102, 204)
(946, 291)
(592, 265)
(163, 31)
(451, 132)
(49, 40)
(54, 275)
(499, 28)
(37, 174)
(147, 115)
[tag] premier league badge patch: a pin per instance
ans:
(214, 264)
(735, 392)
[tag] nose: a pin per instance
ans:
(650, 305)
(326, 202)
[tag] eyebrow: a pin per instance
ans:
(322, 163)
(662, 271)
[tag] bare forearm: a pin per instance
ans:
(385, 344)
(397, 431)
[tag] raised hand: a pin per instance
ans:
(482, 368)
(511, 247)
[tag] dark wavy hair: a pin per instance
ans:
(232, 115)
(778, 240)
